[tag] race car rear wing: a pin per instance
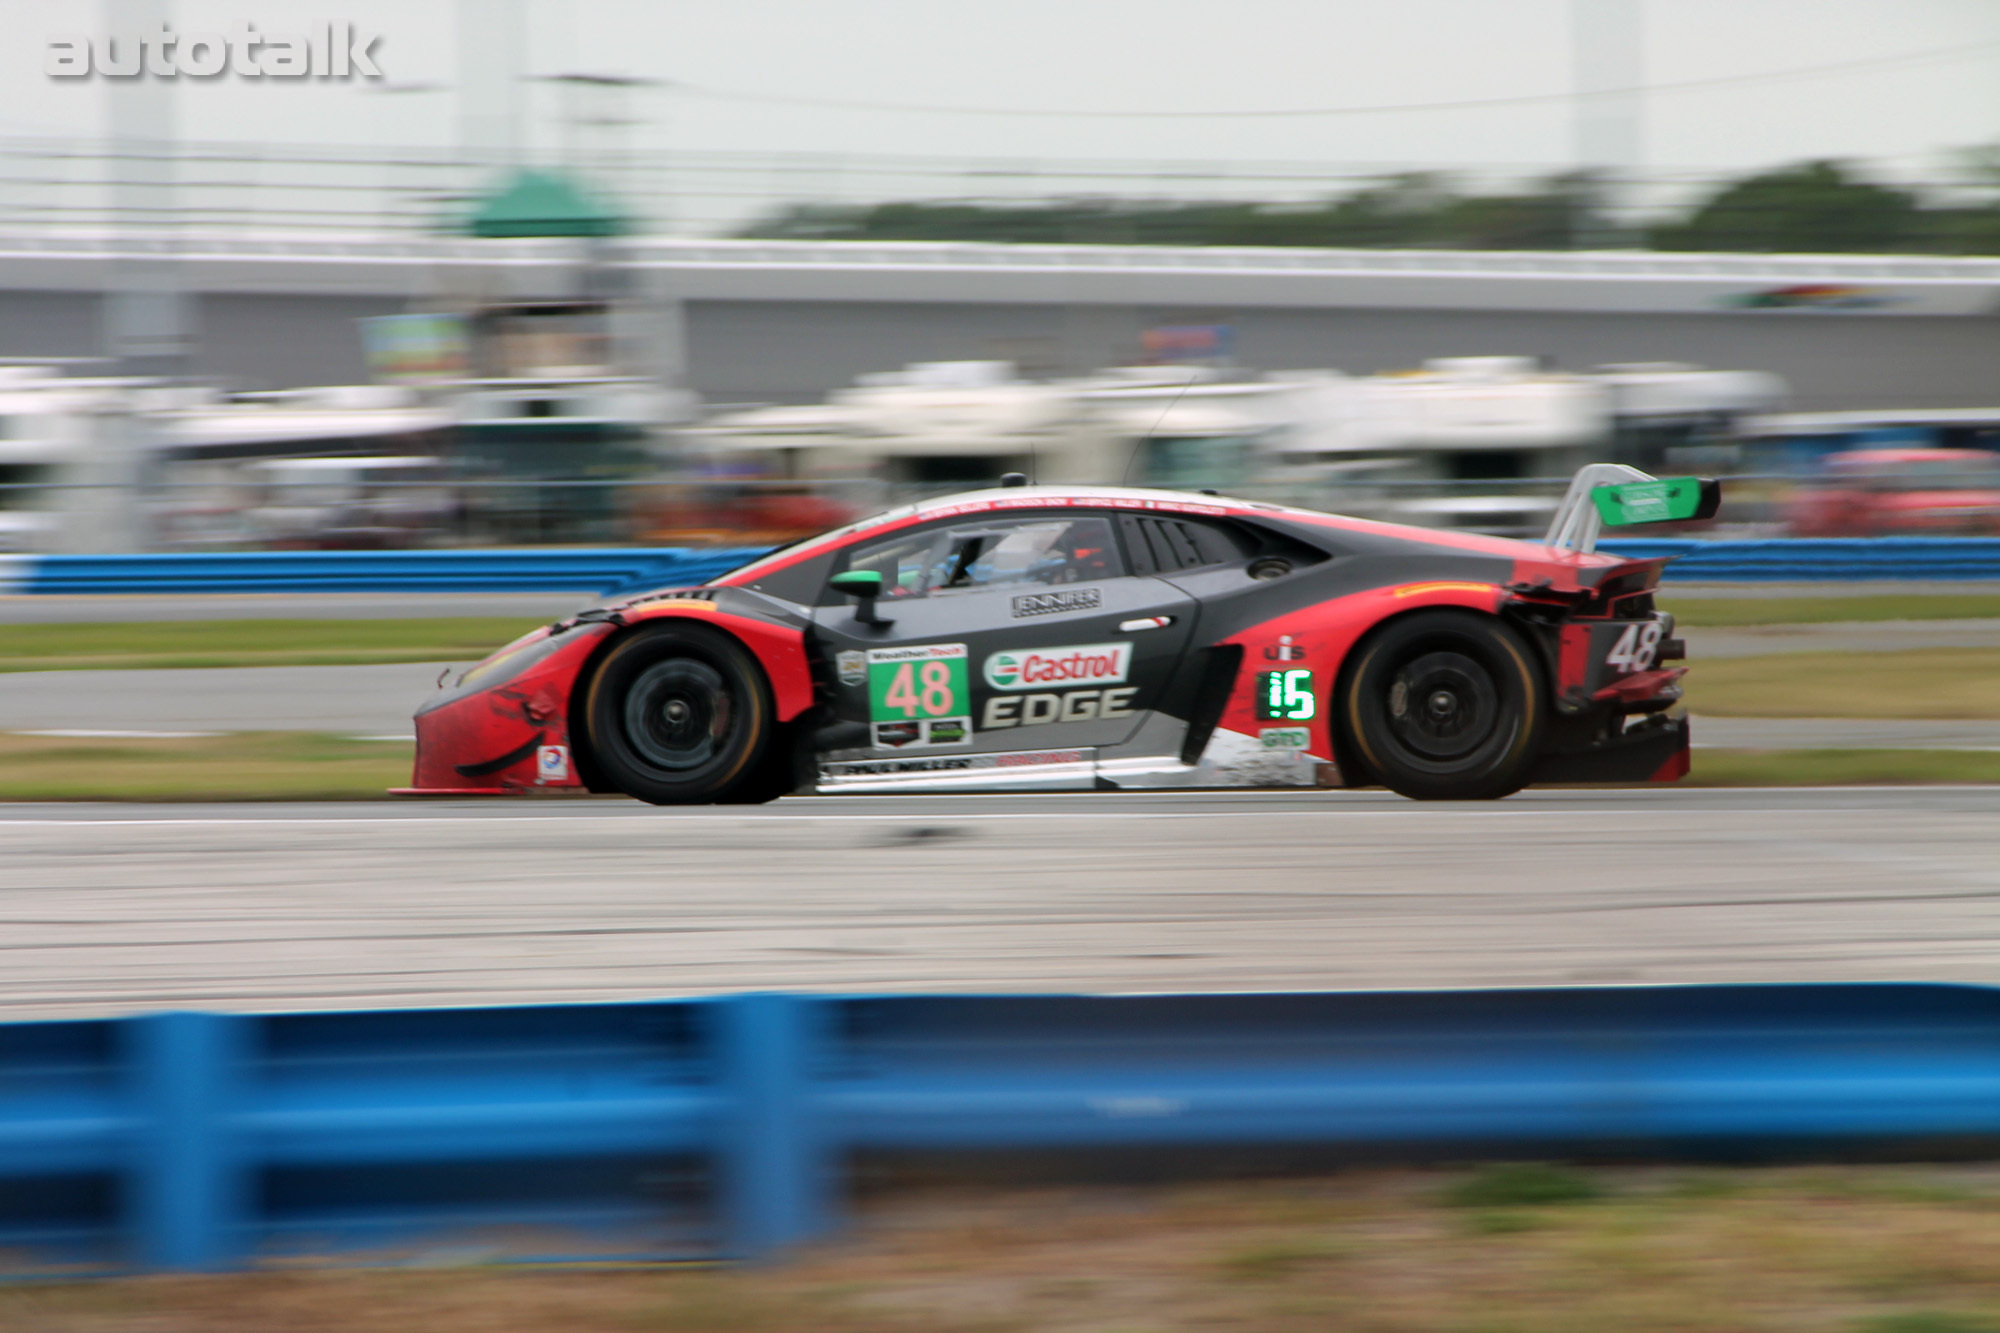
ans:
(1612, 493)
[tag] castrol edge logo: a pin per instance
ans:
(1032, 668)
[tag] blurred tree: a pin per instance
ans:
(1811, 208)
(1418, 209)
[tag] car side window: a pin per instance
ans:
(1167, 545)
(998, 553)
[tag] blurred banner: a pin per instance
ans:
(416, 349)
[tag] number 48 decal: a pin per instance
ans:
(936, 698)
(1636, 647)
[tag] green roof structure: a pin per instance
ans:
(541, 203)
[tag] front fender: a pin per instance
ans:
(779, 648)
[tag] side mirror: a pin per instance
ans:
(864, 586)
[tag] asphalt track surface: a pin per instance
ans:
(107, 909)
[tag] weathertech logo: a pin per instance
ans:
(1091, 664)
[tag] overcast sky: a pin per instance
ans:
(1101, 56)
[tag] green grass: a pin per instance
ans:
(240, 766)
(1929, 1321)
(1841, 768)
(1371, 1252)
(1521, 1185)
(1944, 683)
(1720, 612)
(230, 643)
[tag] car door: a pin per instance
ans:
(1024, 631)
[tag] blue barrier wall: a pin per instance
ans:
(617, 570)
(720, 1126)
(602, 572)
(1807, 560)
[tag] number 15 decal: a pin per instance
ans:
(1636, 647)
(1285, 695)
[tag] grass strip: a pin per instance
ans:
(1939, 683)
(310, 766)
(1854, 1249)
(1841, 768)
(1721, 612)
(236, 766)
(228, 643)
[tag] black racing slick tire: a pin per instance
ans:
(681, 714)
(1446, 705)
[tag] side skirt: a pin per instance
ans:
(1229, 760)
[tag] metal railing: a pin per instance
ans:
(724, 1126)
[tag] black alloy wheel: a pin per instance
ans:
(1446, 705)
(681, 714)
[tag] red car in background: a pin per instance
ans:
(1900, 493)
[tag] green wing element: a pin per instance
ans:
(1665, 500)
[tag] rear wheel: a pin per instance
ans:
(1446, 706)
(681, 714)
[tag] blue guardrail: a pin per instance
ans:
(613, 570)
(603, 572)
(720, 1126)
(1810, 560)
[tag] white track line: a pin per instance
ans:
(991, 816)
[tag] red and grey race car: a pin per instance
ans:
(1056, 638)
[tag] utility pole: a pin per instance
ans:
(492, 59)
(147, 320)
(1608, 68)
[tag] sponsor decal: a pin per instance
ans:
(928, 680)
(1034, 710)
(1054, 603)
(1286, 696)
(1088, 664)
(1058, 502)
(551, 763)
(1284, 650)
(918, 696)
(926, 652)
(870, 767)
(894, 735)
(853, 667)
(922, 734)
(954, 764)
(1812, 296)
(1036, 759)
(1284, 738)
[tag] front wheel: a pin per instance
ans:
(1446, 706)
(681, 714)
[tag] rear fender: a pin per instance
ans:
(1321, 639)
